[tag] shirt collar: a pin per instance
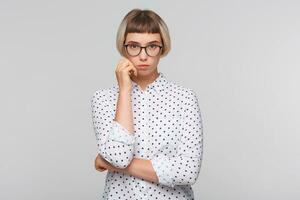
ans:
(157, 85)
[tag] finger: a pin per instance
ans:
(130, 63)
(100, 170)
(127, 62)
(97, 165)
(122, 63)
(131, 69)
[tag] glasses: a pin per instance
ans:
(152, 50)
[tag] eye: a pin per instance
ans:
(133, 46)
(152, 46)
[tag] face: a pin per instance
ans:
(144, 39)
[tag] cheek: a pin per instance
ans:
(155, 61)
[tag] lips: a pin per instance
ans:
(143, 65)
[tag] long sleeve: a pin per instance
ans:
(115, 143)
(183, 168)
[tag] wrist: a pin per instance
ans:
(125, 92)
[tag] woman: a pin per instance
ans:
(148, 129)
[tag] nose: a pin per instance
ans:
(143, 55)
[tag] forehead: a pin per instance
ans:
(143, 38)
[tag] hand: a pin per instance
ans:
(124, 70)
(100, 164)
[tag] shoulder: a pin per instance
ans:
(188, 97)
(187, 93)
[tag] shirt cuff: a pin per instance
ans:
(121, 134)
(163, 170)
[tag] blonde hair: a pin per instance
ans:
(143, 21)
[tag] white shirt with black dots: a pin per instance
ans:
(168, 131)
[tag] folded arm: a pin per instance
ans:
(139, 168)
(184, 167)
(115, 142)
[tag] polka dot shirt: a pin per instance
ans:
(168, 131)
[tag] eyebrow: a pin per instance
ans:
(154, 41)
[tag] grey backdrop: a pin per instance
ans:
(241, 57)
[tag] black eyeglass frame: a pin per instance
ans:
(141, 48)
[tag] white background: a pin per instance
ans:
(241, 58)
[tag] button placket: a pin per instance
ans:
(145, 104)
(144, 115)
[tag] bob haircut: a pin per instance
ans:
(143, 21)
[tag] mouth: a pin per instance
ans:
(143, 65)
